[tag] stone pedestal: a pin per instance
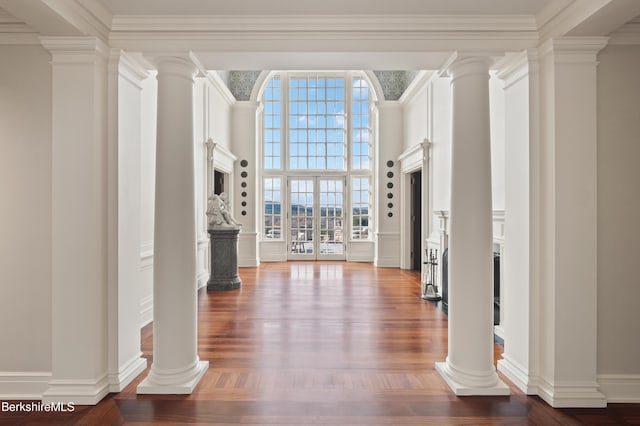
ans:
(224, 259)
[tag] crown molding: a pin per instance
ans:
(629, 34)
(322, 23)
(19, 38)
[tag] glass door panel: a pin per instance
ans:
(301, 219)
(316, 218)
(331, 210)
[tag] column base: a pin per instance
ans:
(224, 284)
(494, 389)
(153, 385)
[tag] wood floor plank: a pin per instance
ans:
(312, 343)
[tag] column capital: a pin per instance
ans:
(462, 59)
(73, 50)
(178, 66)
(574, 49)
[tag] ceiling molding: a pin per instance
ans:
(323, 23)
(629, 34)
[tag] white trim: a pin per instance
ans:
(422, 80)
(518, 375)
(19, 39)
(216, 82)
(146, 255)
(571, 394)
(146, 310)
(620, 388)
(223, 159)
(629, 34)
(78, 391)
(412, 158)
(23, 385)
(390, 258)
(323, 23)
(120, 380)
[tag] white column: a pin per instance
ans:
(79, 220)
(568, 244)
(176, 368)
(469, 368)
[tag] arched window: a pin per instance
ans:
(317, 162)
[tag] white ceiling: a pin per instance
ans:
(325, 7)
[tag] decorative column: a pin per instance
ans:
(469, 368)
(176, 368)
(79, 323)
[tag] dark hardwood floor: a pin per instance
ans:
(323, 343)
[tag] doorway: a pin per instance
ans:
(416, 221)
(316, 218)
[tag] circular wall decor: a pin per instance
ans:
(389, 195)
(244, 204)
(243, 184)
(390, 205)
(389, 163)
(389, 175)
(244, 163)
(389, 185)
(390, 214)
(244, 174)
(244, 213)
(244, 194)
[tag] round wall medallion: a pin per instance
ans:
(389, 175)
(243, 184)
(244, 163)
(389, 163)
(390, 214)
(390, 185)
(244, 194)
(390, 205)
(244, 174)
(389, 195)
(244, 213)
(244, 204)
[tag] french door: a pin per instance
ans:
(316, 218)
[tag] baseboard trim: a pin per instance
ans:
(572, 395)
(80, 392)
(518, 375)
(118, 381)
(387, 262)
(620, 388)
(23, 385)
(249, 262)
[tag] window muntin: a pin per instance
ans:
(272, 135)
(317, 123)
(360, 131)
(272, 202)
(360, 208)
(321, 126)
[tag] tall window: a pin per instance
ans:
(272, 125)
(317, 125)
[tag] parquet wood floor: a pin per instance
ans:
(311, 343)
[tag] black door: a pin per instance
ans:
(416, 221)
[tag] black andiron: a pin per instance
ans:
(429, 283)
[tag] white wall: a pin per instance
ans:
(390, 133)
(618, 206)
(25, 212)
(441, 149)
